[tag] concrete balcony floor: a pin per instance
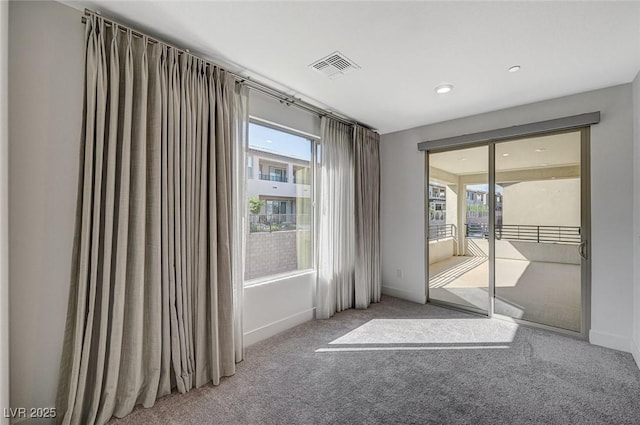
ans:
(540, 292)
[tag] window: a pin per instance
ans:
(277, 207)
(277, 174)
(280, 198)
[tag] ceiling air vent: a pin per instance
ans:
(334, 65)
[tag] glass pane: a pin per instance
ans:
(458, 227)
(538, 230)
(279, 190)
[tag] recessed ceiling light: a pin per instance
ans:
(514, 68)
(540, 150)
(505, 154)
(443, 88)
(463, 159)
(269, 141)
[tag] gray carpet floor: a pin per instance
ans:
(405, 363)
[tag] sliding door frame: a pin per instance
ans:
(442, 303)
(585, 225)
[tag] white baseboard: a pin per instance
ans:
(604, 339)
(403, 294)
(271, 329)
(635, 350)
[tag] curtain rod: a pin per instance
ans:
(240, 79)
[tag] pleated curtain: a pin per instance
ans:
(336, 220)
(366, 152)
(154, 297)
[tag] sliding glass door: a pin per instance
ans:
(539, 230)
(508, 229)
(458, 217)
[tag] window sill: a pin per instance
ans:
(277, 277)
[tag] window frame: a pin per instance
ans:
(313, 165)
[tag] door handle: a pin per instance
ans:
(582, 250)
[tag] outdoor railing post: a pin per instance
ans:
(538, 234)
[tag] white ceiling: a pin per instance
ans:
(405, 49)
(524, 154)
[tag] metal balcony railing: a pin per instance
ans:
(476, 230)
(273, 177)
(547, 234)
(532, 233)
(278, 222)
(442, 231)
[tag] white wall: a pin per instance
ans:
(529, 251)
(273, 306)
(45, 74)
(269, 109)
(402, 209)
(277, 189)
(542, 202)
(636, 215)
(4, 209)
(441, 250)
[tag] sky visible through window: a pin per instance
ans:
(279, 142)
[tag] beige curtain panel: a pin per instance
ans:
(349, 219)
(336, 237)
(366, 148)
(151, 304)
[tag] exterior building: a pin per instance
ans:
(437, 204)
(478, 207)
(281, 183)
(477, 201)
(280, 186)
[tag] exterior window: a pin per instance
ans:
(280, 194)
(437, 205)
(277, 174)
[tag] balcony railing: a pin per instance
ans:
(552, 234)
(278, 222)
(442, 231)
(273, 177)
(476, 230)
(532, 233)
